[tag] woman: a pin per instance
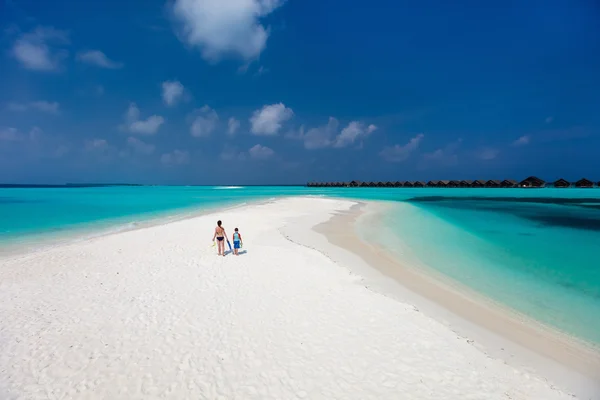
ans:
(220, 236)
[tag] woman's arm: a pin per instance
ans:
(215, 235)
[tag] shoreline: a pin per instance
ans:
(153, 312)
(500, 332)
(43, 241)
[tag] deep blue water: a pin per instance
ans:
(534, 250)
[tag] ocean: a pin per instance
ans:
(536, 251)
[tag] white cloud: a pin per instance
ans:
(232, 126)
(259, 152)
(220, 28)
(269, 119)
(399, 153)
(9, 134)
(35, 133)
(61, 151)
(172, 91)
(522, 141)
(43, 106)
(139, 146)
(39, 50)
(231, 153)
(318, 138)
(176, 157)
(327, 135)
(98, 59)
(487, 154)
(354, 131)
(205, 122)
(96, 144)
(148, 126)
(14, 135)
(444, 156)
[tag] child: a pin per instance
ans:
(237, 241)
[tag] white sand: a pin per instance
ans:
(154, 313)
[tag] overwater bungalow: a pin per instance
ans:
(443, 184)
(419, 184)
(561, 183)
(532, 182)
(354, 184)
(478, 183)
(432, 184)
(508, 183)
(389, 184)
(398, 184)
(453, 184)
(584, 183)
(372, 184)
(466, 184)
(364, 184)
(409, 184)
(380, 184)
(492, 184)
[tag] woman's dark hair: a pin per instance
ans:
(219, 222)
(236, 229)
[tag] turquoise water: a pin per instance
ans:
(535, 251)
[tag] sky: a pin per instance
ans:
(287, 92)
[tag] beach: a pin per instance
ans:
(155, 313)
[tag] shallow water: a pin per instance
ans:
(537, 257)
(533, 250)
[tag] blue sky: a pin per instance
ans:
(273, 91)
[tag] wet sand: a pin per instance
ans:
(500, 332)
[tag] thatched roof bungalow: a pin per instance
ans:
(409, 184)
(398, 184)
(372, 184)
(466, 184)
(443, 183)
(419, 184)
(532, 182)
(380, 184)
(508, 183)
(364, 184)
(432, 184)
(492, 184)
(453, 184)
(561, 183)
(584, 183)
(354, 184)
(478, 183)
(389, 184)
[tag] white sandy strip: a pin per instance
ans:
(154, 313)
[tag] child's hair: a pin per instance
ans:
(219, 222)
(236, 229)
